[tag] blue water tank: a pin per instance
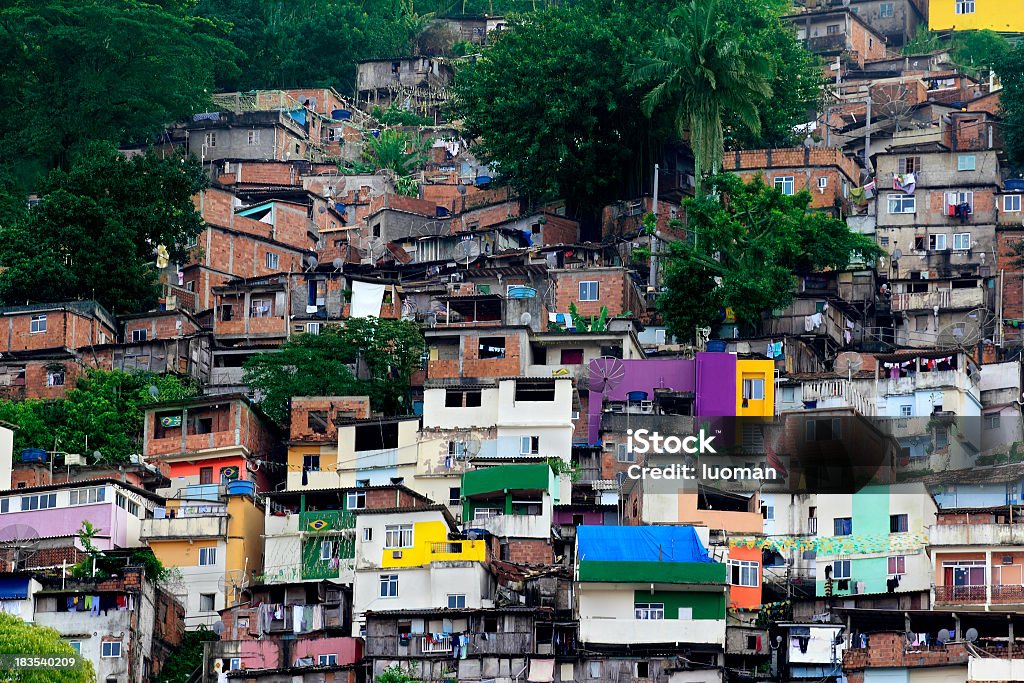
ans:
(33, 455)
(636, 396)
(241, 488)
(341, 114)
(717, 346)
(483, 179)
(521, 292)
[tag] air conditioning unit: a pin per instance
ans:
(396, 554)
(74, 459)
(575, 415)
(646, 406)
(617, 408)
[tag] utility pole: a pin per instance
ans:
(652, 280)
(867, 133)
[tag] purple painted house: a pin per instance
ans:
(55, 513)
(711, 377)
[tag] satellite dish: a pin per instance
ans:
(461, 188)
(965, 333)
(154, 390)
(432, 229)
(943, 636)
(375, 249)
(472, 446)
(338, 264)
(847, 363)
(525, 318)
(322, 209)
(466, 252)
(897, 254)
(97, 455)
(218, 627)
(22, 542)
(605, 374)
(971, 635)
(312, 262)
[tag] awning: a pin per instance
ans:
(541, 671)
(14, 587)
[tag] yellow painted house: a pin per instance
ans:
(755, 388)
(1004, 16)
(431, 544)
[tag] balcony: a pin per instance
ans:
(939, 379)
(436, 646)
(639, 631)
(1008, 595)
(838, 393)
(970, 297)
(975, 534)
(208, 526)
(514, 526)
(961, 595)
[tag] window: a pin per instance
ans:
(311, 463)
(941, 438)
(207, 556)
(227, 312)
(5, 503)
(457, 449)
(139, 335)
(909, 165)
(785, 184)
(355, 500)
(327, 660)
(261, 308)
(207, 602)
(367, 535)
(93, 494)
(842, 526)
(454, 496)
(625, 454)
(210, 140)
(529, 445)
(885, 9)
(572, 357)
(649, 610)
(205, 475)
(76, 645)
(111, 649)
(767, 512)
(897, 565)
(456, 601)
(902, 203)
(389, 585)
(907, 410)
(272, 260)
(253, 137)
(55, 378)
(753, 389)
(643, 669)
(42, 502)
(964, 6)
(589, 290)
(1011, 203)
(832, 30)
(822, 183)
(966, 162)
(37, 324)
(398, 536)
(326, 550)
(937, 242)
(316, 422)
(234, 664)
(841, 569)
(595, 668)
(825, 429)
(535, 391)
(898, 524)
(992, 421)
(312, 328)
(743, 573)
(491, 347)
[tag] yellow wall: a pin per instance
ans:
(182, 552)
(756, 369)
(245, 536)
(423, 536)
(328, 456)
(995, 15)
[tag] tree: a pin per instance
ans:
(395, 151)
(748, 241)
(104, 412)
(701, 72)
(550, 104)
(95, 231)
(21, 638)
(396, 673)
(979, 51)
(386, 353)
(1011, 100)
(84, 70)
(183, 661)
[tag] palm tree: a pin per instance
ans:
(699, 72)
(396, 150)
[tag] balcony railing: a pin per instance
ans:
(961, 595)
(969, 297)
(446, 548)
(1008, 595)
(211, 526)
(430, 645)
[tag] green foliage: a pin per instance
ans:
(104, 412)
(316, 43)
(755, 239)
(923, 42)
(978, 51)
(407, 186)
(700, 71)
(396, 116)
(21, 638)
(598, 323)
(388, 352)
(95, 231)
(183, 661)
(1011, 99)
(116, 70)
(396, 151)
(396, 673)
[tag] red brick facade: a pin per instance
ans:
(357, 407)
(806, 166)
(889, 650)
(615, 290)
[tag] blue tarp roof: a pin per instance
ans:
(13, 587)
(640, 544)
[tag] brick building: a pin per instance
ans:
(826, 173)
(592, 289)
(838, 32)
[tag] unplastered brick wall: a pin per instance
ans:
(64, 329)
(357, 407)
(615, 291)
(474, 366)
(161, 326)
(889, 650)
(530, 551)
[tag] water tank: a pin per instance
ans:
(33, 455)
(717, 346)
(521, 292)
(341, 114)
(636, 396)
(241, 488)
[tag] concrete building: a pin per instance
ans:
(826, 173)
(1001, 16)
(837, 32)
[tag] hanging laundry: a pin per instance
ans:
(904, 183)
(857, 196)
(297, 619)
(812, 322)
(869, 190)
